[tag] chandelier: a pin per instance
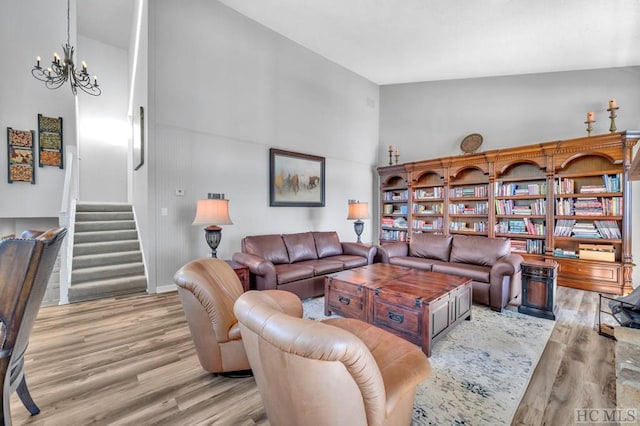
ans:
(62, 70)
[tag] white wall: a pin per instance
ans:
(222, 91)
(23, 36)
(103, 126)
(428, 120)
(138, 179)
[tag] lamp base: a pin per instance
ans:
(358, 226)
(213, 235)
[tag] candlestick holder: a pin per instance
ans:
(390, 155)
(397, 156)
(612, 116)
(589, 127)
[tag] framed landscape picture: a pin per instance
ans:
(295, 180)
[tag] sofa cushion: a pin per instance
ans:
(430, 246)
(323, 266)
(300, 246)
(327, 244)
(475, 272)
(289, 272)
(477, 250)
(349, 260)
(269, 247)
(412, 262)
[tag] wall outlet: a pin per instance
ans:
(179, 192)
(164, 211)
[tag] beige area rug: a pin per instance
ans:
(480, 370)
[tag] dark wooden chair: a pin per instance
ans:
(25, 267)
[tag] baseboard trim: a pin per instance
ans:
(166, 288)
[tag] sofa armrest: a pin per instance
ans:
(263, 270)
(359, 249)
(505, 280)
(387, 251)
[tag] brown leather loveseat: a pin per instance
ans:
(299, 262)
(493, 269)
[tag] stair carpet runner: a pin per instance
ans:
(107, 260)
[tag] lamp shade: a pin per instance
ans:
(358, 211)
(212, 212)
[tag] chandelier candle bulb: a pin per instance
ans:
(37, 61)
(590, 116)
(84, 67)
(612, 103)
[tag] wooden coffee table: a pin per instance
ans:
(420, 306)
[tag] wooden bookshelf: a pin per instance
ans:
(552, 199)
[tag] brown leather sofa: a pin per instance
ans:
(208, 288)
(493, 269)
(299, 262)
(335, 372)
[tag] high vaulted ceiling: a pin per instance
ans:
(399, 41)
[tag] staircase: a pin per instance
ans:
(107, 260)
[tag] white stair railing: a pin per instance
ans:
(67, 220)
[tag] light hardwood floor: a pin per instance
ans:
(130, 360)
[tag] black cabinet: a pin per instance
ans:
(539, 288)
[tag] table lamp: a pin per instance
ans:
(358, 211)
(213, 211)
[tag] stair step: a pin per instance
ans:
(103, 272)
(102, 216)
(105, 247)
(97, 236)
(106, 288)
(105, 225)
(103, 207)
(104, 259)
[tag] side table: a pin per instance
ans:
(242, 272)
(539, 288)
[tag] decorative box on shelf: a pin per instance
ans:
(604, 252)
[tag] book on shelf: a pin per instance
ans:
(564, 186)
(511, 189)
(563, 227)
(559, 252)
(588, 206)
(585, 230)
(468, 191)
(426, 193)
(527, 246)
(534, 228)
(396, 195)
(423, 225)
(612, 206)
(608, 229)
(612, 182)
(591, 189)
(564, 206)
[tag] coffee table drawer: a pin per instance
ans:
(345, 299)
(399, 319)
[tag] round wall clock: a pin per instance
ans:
(471, 143)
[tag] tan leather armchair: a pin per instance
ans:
(208, 288)
(335, 372)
